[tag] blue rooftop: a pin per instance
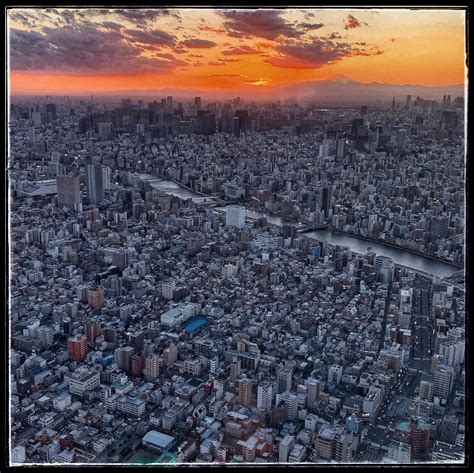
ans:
(195, 324)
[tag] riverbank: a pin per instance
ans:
(398, 247)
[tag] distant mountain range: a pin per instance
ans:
(342, 88)
(338, 88)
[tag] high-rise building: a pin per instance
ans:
(284, 379)
(69, 192)
(314, 387)
(325, 199)
(235, 216)
(245, 388)
(95, 298)
(152, 368)
(93, 330)
(197, 103)
(449, 429)
(77, 347)
(443, 378)
(167, 290)
(265, 397)
(285, 447)
(95, 183)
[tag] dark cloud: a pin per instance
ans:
(352, 22)
(210, 28)
(142, 16)
(154, 37)
(198, 43)
(81, 50)
(24, 18)
(235, 51)
(309, 26)
(317, 53)
(334, 35)
(111, 25)
(266, 24)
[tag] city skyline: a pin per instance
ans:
(93, 50)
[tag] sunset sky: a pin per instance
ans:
(68, 51)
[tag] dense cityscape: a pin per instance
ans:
(235, 281)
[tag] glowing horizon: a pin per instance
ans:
(82, 50)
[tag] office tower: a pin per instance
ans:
(443, 378)
(449, 429)
(106, 177)
(69, 192)
(406, 301)
(419, 439)
(408, 103)
(169, 101)
(285, 447)
(197, 103)
(341, 148)
(291, 404)
(95, 298)
(152, 368)
(265, 397)
(245, 388)
(137, 365)
(314, 388)
(127, 353)
(104, 129)
(93, 330)
(234, 368)
(235, 216)
(94, 183)
(393, 103)
(325, 199)
(45, 336)
(426, 390)
(36, 117)
(120, 258)
(363, 110)
(136, 340)
(170, 355)
(32, 134)
(284, 379)
(77, 347)
(51, 112)
(167, 290)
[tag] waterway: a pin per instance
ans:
(172, 188)
(400, 256)
(357, 245)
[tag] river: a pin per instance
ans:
(357, 245)
(400, 256)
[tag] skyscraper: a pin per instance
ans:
(69, 193)
(197, 103)
(95, 183)
(325, 199)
